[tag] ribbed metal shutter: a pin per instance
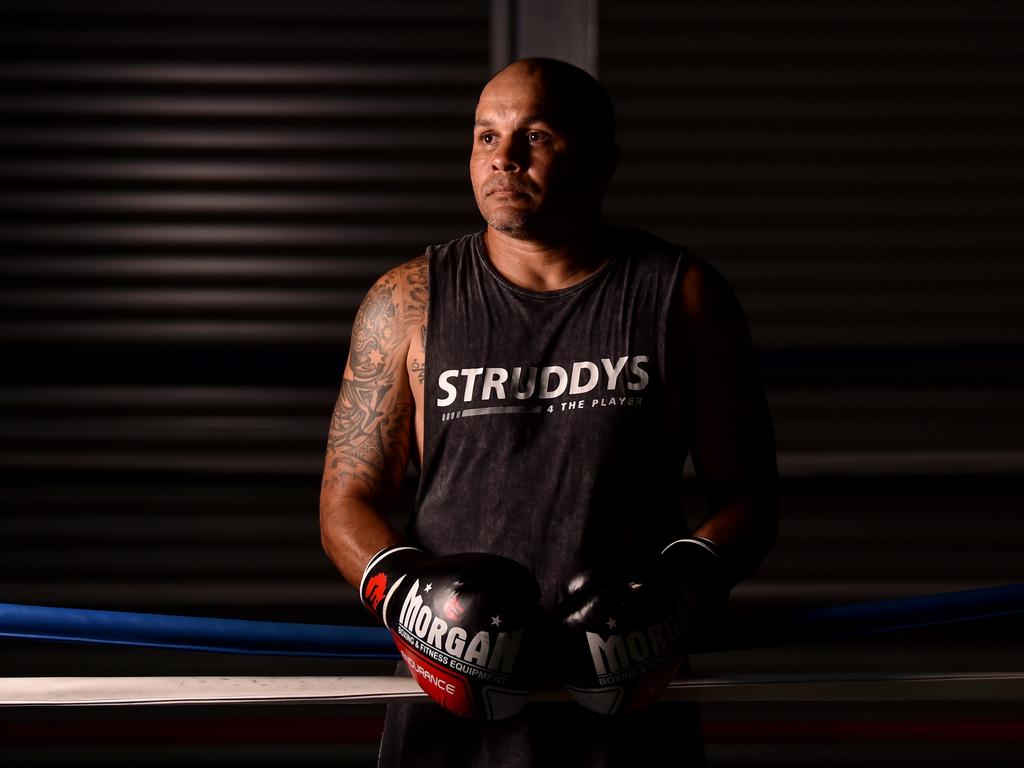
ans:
(854, 169)
(857, 163)
(197, 197)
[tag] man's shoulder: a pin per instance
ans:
(460, 242)
(408, 282)
(397, 299)
(651, 256)
(416, 268)
(409, 273)
(644, 243)
(698, 280)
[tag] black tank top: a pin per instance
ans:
(547, 439)
(547, 435)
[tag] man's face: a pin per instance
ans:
(529, 174)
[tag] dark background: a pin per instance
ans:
(197, 196)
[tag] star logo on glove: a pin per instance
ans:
(611, 623)
(496, 621)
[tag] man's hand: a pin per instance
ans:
(466, 625)
(624, 633)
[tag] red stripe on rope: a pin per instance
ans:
(864, 730)
(221, 730)
(368, 729)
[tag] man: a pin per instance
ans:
(549, 399)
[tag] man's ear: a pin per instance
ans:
(613, 161)
(608, 164)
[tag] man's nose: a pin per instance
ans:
(508, 156)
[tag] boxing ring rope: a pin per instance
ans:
(242, 636)
(239, 636)
(374, 689)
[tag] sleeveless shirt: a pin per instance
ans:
(547, 439)
(545, 431)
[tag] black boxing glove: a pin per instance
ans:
(464, 625)
(383, 572)
(624, 631)
(698, 572)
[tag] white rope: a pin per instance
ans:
(121, 691)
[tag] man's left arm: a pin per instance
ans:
(722, 417)
(731, 437)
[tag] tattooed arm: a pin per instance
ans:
(368, 444)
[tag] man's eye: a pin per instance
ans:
(486, 138)
(535, 135)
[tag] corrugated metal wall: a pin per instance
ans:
(197, 197)
(857, 163)
(854, 169)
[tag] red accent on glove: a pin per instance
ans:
(467, 627)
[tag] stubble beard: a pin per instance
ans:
(518, 224)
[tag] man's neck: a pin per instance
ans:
(548, 264)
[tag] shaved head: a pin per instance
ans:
(544, 149)
(577, 101)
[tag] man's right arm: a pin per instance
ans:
(370, 432)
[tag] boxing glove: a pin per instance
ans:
(382, 572)
(465, 625)
(624, 631)
(695, 567)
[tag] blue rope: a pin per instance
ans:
(858, 619)
(193, 633)
(271, 638)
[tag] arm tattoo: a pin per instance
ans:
(418, 366)
(418, 294)
(368, 442)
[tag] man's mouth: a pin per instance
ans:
(507, 189)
